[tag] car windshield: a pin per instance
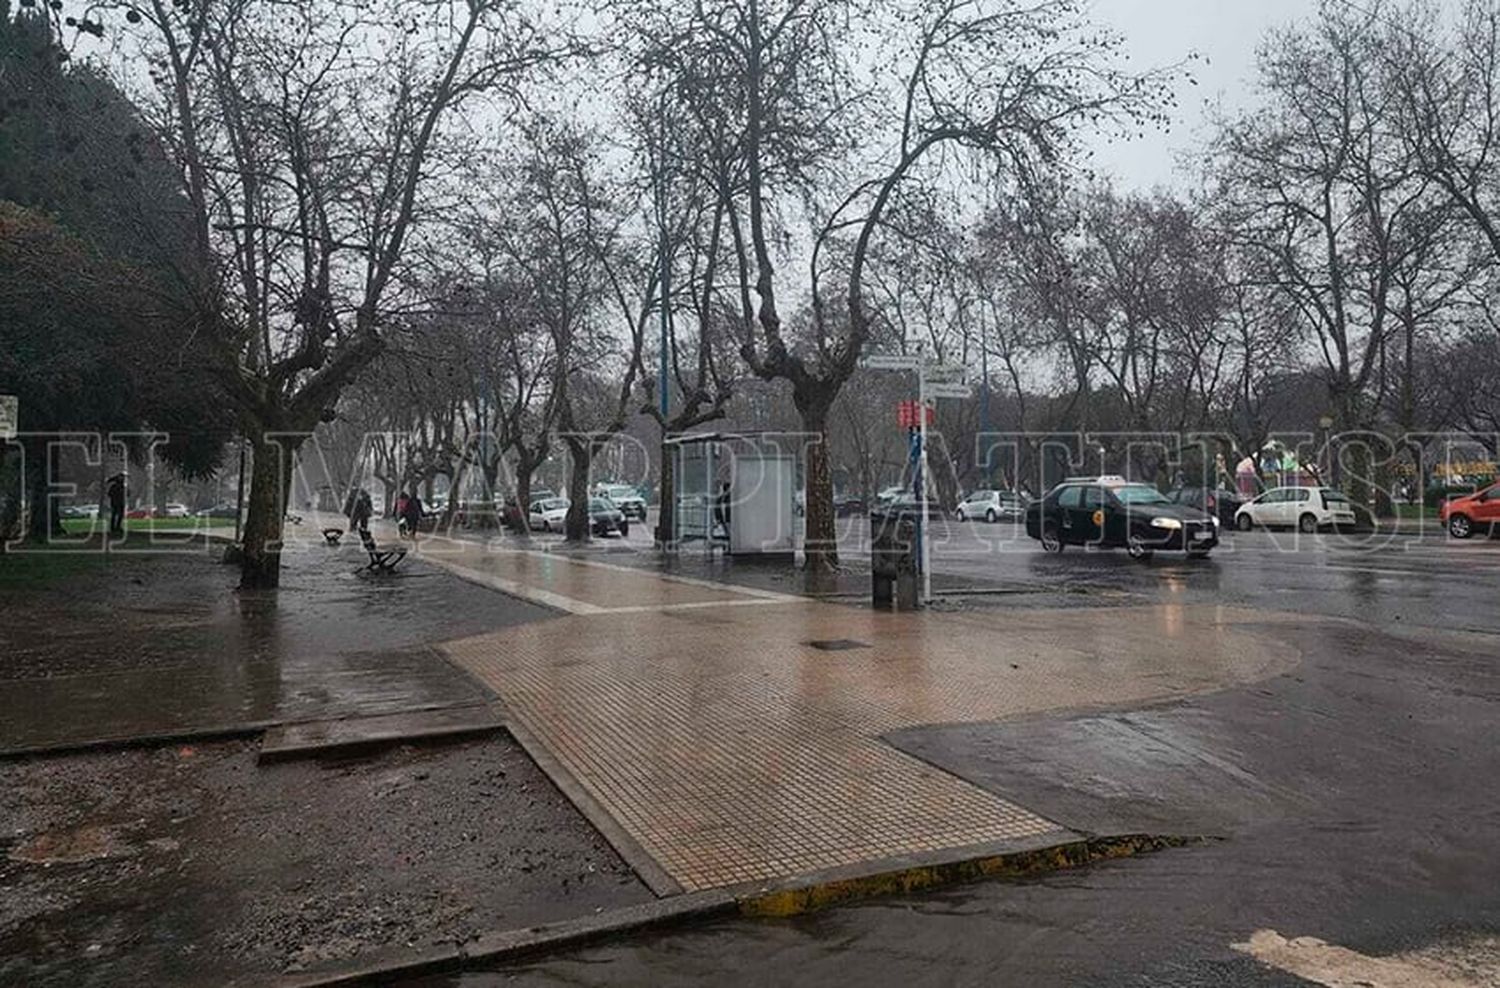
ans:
(1138, 494)
(1334, 497)
(551, 504)
(601, 504)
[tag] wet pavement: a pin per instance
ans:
(193, 865)
(1350, 797)
(164, 644)
(733, 734)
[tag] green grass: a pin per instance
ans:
(1415, 511)
(83, 526)
(28, 567)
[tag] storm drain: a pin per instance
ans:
(837, 644)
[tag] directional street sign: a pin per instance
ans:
(946, 374)
(941, 389)
(893, 361)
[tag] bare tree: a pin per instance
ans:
(807, 116)
(306, 136)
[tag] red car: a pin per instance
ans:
(1477, 512)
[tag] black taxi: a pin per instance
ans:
(1114, 512)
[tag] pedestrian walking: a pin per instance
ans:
(721, 509)
(360, 510)
(401, 500)
(116, 494)
(412, 515)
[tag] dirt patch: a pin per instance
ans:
(192, 865)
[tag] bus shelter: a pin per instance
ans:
(737, 492)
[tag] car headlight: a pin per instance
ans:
(1169, 523)
(1215, 520)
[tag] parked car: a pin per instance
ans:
(510, 513)
(477, 512)
(66, 511)
(225, 509)
(625, 497)
(1307, 509)
(891, 494)
(846, 505)
(1112, 512)
(175, 510)
(1217, 501)
(547, 514)
(139, 513)
(907, 504)
(605, 517)
(1477, 512)
(992, 506)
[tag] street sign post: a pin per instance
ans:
(933, 381)
(10, 416)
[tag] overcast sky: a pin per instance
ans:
(1162, 32)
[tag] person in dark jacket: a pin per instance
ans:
(360, 509)
(116, 494)
(412, 515)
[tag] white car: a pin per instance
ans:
(175, 510)
(625, 497)
(892, 494)
(549, 514)
(1305, 508)
(992, 506)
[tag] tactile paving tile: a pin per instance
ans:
(731, 750)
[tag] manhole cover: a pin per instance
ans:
(837, 644)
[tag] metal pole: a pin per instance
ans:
(104, 488)
(984, 400)
(924, 534)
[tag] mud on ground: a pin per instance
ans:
(193, 865)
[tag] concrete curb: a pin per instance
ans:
(205, 733)
(505, 945)
(803, 894)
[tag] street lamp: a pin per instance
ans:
(1325, 455)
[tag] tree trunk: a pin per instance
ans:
(580, 457)
(525, 468)
(43, 522)
(270, 479)
(820, 546)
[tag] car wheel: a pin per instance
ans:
(1137, 548)
(1198, 553)
(1244, 522)
(1051, 540)
(1307, 524)
(962, 516)
(989, 516)
(1460, 527)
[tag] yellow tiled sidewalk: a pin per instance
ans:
(731, 750)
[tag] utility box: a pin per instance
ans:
(893, 560)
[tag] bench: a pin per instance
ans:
(332, 535)
(383, 559)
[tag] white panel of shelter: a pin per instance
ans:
(761, 512)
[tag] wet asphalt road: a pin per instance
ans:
(1353, 799)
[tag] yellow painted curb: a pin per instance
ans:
(813, 895)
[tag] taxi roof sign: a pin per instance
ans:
(1104, 480)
